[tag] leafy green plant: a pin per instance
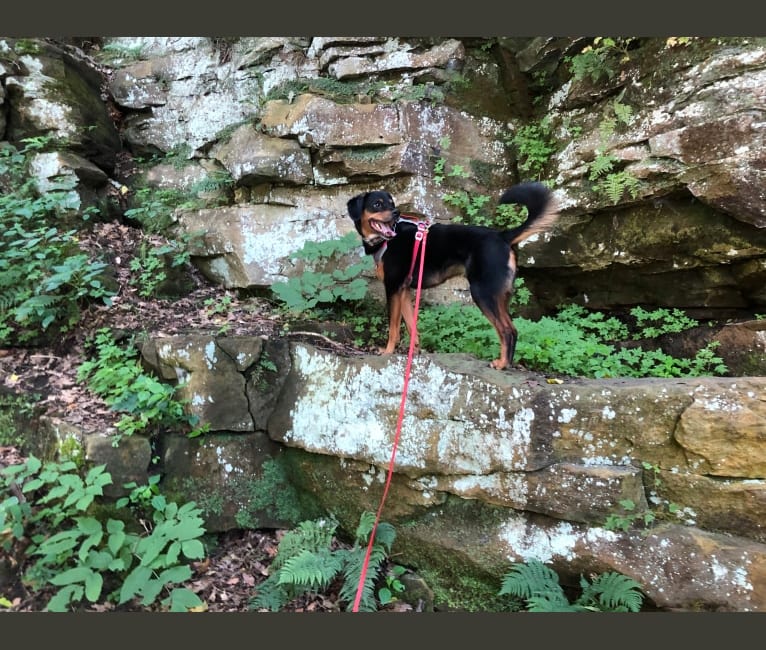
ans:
(534, 144)
(45, 279)
(394, 587)
(365, 319)
(115, 374)
(339, 91)
(538, 586)
(218, 181)
(14, 408)
(217, 305)
(600, 58)
(472, 206)
(112, 52)
(306, 563)
(153, 208)
(148, 268)
(607, 180)
(575, 342)
(44, 522)
(320, 288)
(627, 519)
(460, 327)
(660, 321)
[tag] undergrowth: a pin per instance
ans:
(115, 374)
(307, 562)
(45, 278)
(574, 342)
(49, 527)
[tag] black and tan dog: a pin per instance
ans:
(487, 257)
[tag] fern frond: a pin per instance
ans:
(615, 185)
(270, 595)
(44, 304)
(613, 592)
(602, 164)
(552, 601)
(624, 112)
(366, 522)
(310, 536)
(353, 571)
(530, 578)
(9, 299)
(385, 534)
(311, 571)
(606, 128)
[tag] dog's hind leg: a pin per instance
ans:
(495, 308)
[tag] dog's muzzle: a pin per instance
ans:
(385, 229)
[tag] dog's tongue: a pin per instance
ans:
(383, 229)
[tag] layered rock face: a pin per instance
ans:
(495, 467)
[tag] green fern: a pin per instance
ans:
(9, 299)
(539, 586)
(528, 579)
(353, 572)
(312, 536)
(612, 592)
(623, 112)
(306, 563)
(602, 164)
(384, 533)
(615, 186)
(311, 570)
(552, 602)
(384, 539)
(270, 595)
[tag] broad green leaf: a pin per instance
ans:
(63, 597)
(183, 600)
(176, 574)
(84, 502)
(171, 557)
(116, 541)
(59, 543)
(93, 583)
(78, 574)
(89, 525)
(151, 590)
(150, 547)
(134, 583)
(193, 549)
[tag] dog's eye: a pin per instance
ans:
(377, 205)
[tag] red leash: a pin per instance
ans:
(420, 236)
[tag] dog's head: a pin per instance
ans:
(375, 216)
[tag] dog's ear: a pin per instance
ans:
(355, 206)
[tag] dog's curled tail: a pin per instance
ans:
(541, 209)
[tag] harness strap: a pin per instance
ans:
(419, 235)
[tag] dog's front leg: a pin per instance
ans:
(408, 314)
(394, 320)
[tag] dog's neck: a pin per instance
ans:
(407, 218)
